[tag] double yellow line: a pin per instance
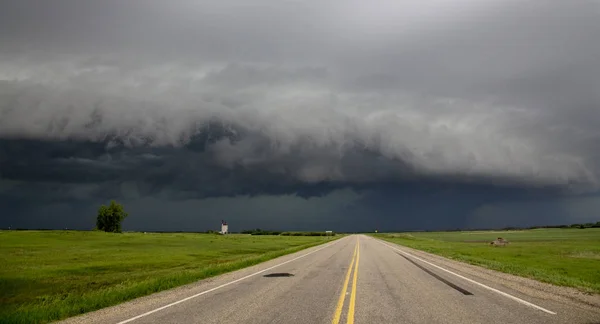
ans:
(340, 305)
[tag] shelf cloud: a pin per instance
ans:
(202, 100)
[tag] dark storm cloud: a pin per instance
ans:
(187, 100)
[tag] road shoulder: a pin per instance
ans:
(529, 287)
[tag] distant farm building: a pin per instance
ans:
(499, 242)
(224, 227)
(328, 233)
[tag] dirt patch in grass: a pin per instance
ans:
(586, 255)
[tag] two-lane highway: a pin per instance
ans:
(356, 279)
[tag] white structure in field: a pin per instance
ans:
(224, 227)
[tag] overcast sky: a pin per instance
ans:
(345, 115)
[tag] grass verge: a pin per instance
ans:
(564, 257)
(52, 275)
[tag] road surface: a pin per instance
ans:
(356, 279)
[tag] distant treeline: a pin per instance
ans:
(252, 232)
(515, 228)
(585, 225)
(305, 234)
(259, 231)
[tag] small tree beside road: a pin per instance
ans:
(110, 217)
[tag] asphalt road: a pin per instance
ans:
(356, 279)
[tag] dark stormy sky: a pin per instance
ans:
(300, 115)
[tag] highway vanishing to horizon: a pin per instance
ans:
(355, 279)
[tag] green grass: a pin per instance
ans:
(564, 257)
(51, 275)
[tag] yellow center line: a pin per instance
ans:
(353, 295)
(340, 304)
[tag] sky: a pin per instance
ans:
(300, 115)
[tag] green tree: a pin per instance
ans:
(110, 217)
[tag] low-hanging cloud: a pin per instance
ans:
(495, 93)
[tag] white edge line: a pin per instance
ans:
(473, 281)
(224, 285)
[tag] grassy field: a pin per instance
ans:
(49, 275)
(565, 257)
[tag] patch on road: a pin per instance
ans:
(278, 274)
(462, 290)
